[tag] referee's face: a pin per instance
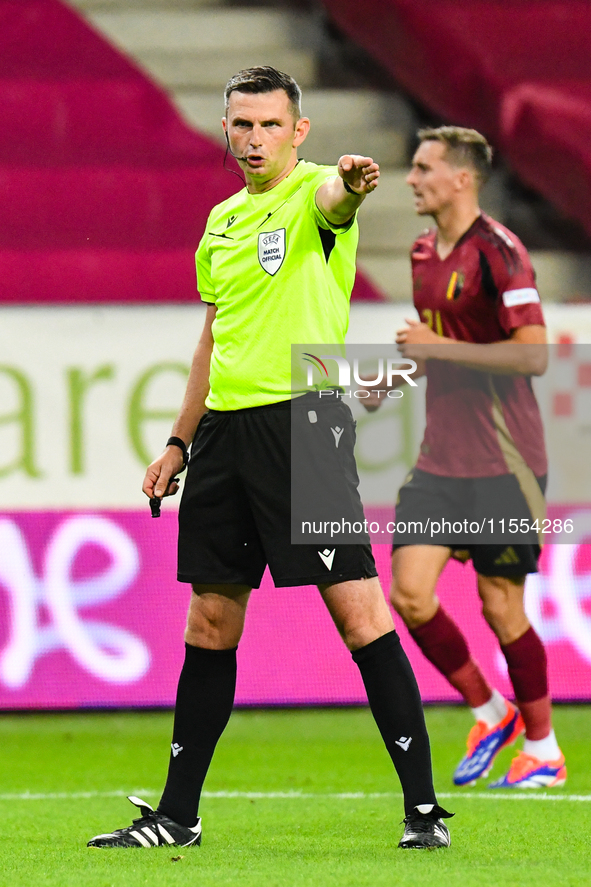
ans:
(435, 182)
(264, 136)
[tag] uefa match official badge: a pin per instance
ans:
(272, 250)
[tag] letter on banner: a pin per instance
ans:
(108, 652)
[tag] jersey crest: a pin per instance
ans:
(455, 285)
(272, 250)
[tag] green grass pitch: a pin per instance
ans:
(275, 811)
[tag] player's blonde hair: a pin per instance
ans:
(463, 147)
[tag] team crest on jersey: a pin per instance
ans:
(455, 285)
(272, 250)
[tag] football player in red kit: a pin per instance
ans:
(482, 456)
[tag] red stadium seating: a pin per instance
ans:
(518, 71)
(104, 190)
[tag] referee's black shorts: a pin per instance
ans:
(236, 511)
(427, 501)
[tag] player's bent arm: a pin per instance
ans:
(499, 358)
(337, 204)
(530, 358)
(157, 481)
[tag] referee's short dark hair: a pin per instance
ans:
(265, 79)
(463, 147)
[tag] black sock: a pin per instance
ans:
(396, 705)
(204, 701)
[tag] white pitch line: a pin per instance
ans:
(517, 795)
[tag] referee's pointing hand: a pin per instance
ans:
(360, 173)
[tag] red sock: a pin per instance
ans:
(471, 683)
(444, 645)
(528, 671)
(537, 717)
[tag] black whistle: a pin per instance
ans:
(155, 504)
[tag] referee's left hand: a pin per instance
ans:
(160, 479)
(360, 173)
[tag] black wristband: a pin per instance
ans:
(177, 442)
(350, 190)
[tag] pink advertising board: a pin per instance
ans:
(91, 615)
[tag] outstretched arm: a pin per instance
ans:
(157, 481)
(338, 205)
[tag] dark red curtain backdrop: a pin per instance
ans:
(104, 190)
(519, 71)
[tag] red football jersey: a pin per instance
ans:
(477, 423)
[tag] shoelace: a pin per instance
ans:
(148, 819)
(419, 823)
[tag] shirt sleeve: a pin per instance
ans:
(518, 300)
(203, 263)
(325, 174)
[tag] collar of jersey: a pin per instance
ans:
(284, 183)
